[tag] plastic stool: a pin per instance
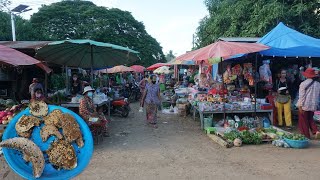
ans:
(208, 130)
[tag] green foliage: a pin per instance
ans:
(170, 56)
(24, 29)
(57, 81)
(247, 18)
(84, 20)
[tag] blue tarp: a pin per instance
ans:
(288, 42)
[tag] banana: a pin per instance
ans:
(30, 151)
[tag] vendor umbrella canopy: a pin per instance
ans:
(119, 69)
(138, 68)
(221, 49)
(181, 62)
(157, 65)
(86, 54)
(17, 58)
(163, 69)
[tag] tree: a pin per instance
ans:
(84, 20)
(170, 56)
(247, 18)
(24, 29)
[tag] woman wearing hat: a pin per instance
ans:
(88, 110)
(309, 94)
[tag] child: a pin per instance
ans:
(271, 99)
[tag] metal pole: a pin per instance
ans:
(255, 85)
(13, 27)
(91, 47)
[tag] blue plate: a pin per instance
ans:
(17, 163)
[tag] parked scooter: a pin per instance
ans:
(119, 106)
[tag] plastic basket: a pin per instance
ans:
(298, 144)
(207, 122)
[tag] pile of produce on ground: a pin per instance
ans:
(258, 135)
(9, 113)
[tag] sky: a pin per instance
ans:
(171, 22)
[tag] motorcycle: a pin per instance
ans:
(120, 106)
(131, 91)
(135, 93)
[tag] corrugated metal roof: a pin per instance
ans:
(24, 44)
(240, 39)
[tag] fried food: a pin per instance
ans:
(54, 118)
(25, 125)
(31, 152)
(71, 130)
(62, 155)
(38, 108)
(48, 130)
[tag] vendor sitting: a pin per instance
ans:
(38, 95)
(88, 110)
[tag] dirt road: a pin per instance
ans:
(179, 150)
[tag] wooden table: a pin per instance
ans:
(201, 113)
(99, 104)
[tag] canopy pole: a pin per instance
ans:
(67, 80)
(255, 85)
(223, 95)
(91, 50)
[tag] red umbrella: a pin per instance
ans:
(17, 58)
(155, 66)
(222, 49)
(138, 68)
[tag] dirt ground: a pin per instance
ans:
(179, 150)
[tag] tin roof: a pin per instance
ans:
(24, 44)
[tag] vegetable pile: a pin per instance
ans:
(295, 136)
(246, 136)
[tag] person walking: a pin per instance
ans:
(309, 93)
(151, 97)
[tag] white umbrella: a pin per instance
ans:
(163, 69)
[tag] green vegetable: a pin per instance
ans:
(270, 130)
(232, 135)
(295, 136)
(251, 138)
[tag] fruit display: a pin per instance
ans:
(9, 113)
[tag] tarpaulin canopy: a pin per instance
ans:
(288, 42)
(157, 65)
(17, 58)
(138, 68)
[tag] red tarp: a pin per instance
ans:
(17, 58)
(155, 66)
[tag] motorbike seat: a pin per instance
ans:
(118, 98)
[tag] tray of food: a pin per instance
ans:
(46, 142)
